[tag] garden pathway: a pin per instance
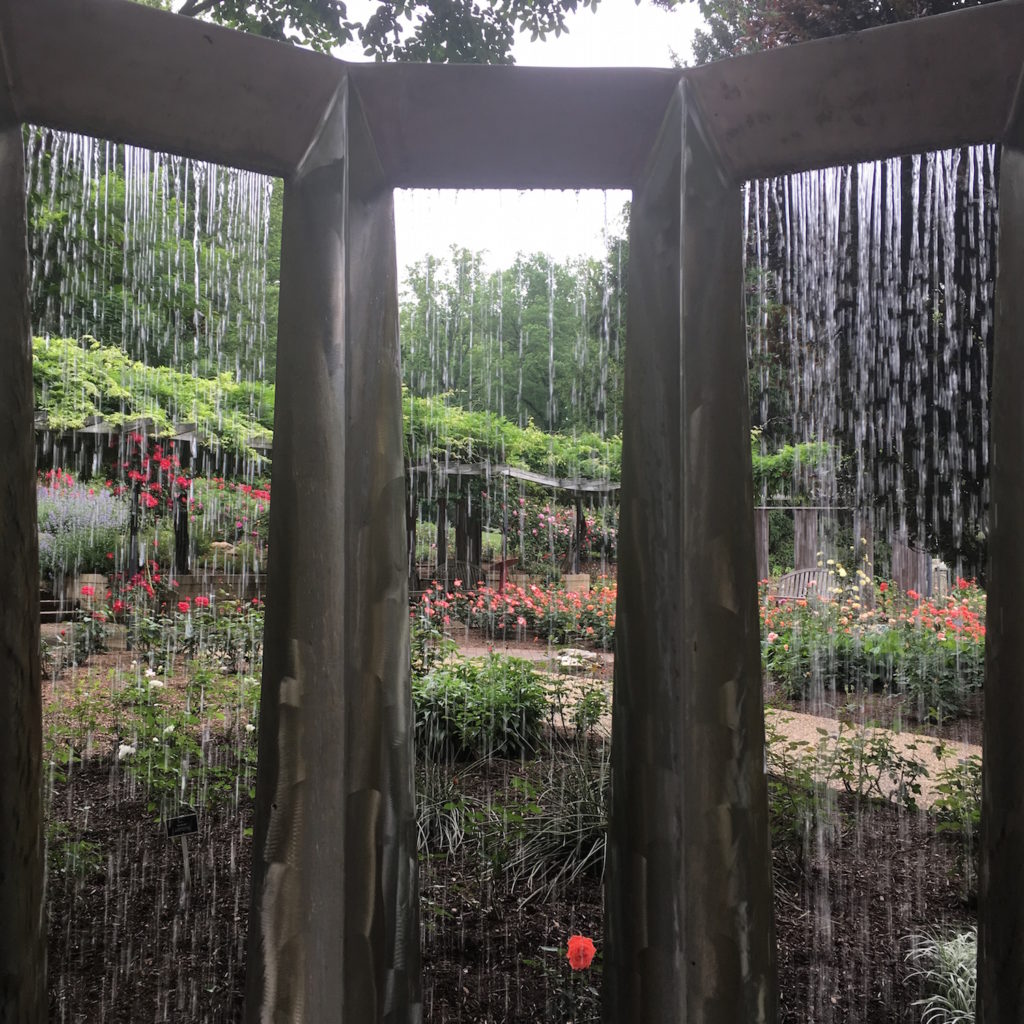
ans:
(787, 726)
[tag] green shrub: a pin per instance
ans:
(471, 709)
(958, 808)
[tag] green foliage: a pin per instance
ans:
(573, 996)
(776, 473)
(445, 816)
(74, 381)
(576, 708)
(435, 426)
(190, 753)
(557, 833)
(958, 807)
(472, 709)
(74, 718)
(456, 31)
(73, 856)
(538, 342)
(803, 778)
(734, 27)
(162, 258)
(429, 646)
(931, 652)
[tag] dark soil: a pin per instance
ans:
(128, 942)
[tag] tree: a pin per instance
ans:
(735, 27)
(453, 31)
(539, 342)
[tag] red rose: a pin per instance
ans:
(581, 952)
(883, 587)
(202, 602)
(183, 606)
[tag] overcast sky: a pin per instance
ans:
(619, 34)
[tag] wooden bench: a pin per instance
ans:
(803, 583)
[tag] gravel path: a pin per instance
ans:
(787, 726)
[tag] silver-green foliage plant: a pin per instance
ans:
(948, 968)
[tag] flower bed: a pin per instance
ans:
(932, 651)
(549, 613)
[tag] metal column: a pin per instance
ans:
(690, 929)
(23, 935)
(333, 927)
(1001, 906)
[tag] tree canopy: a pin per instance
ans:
(735, 27)
(452, 31)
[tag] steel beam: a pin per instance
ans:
(1001, 904)
(333, 931)
(690, 933)
(23, 997)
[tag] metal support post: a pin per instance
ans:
(690, 932)
(333, 927)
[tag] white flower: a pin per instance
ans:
(169, 729)
(249, 727)
(150, 673)
(125, 750)
(156, 684)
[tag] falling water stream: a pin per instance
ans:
(869, 313)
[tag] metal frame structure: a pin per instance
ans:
(333, 920)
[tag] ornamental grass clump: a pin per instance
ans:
(556, 831)
(947, 966)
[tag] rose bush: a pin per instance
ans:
(932, 651)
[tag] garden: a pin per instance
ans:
(157, 420)
(152, 714)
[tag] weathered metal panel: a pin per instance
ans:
(23, 933)
(1001, 903)
(920, 85)
(124, 71)
(690, 934)
(333, 923)
(135, 74)
(472, 126)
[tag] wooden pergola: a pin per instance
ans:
(333, 932)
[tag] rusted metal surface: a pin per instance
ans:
(690, 933)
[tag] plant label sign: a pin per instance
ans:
(182, 825)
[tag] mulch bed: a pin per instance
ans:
(126, 944)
